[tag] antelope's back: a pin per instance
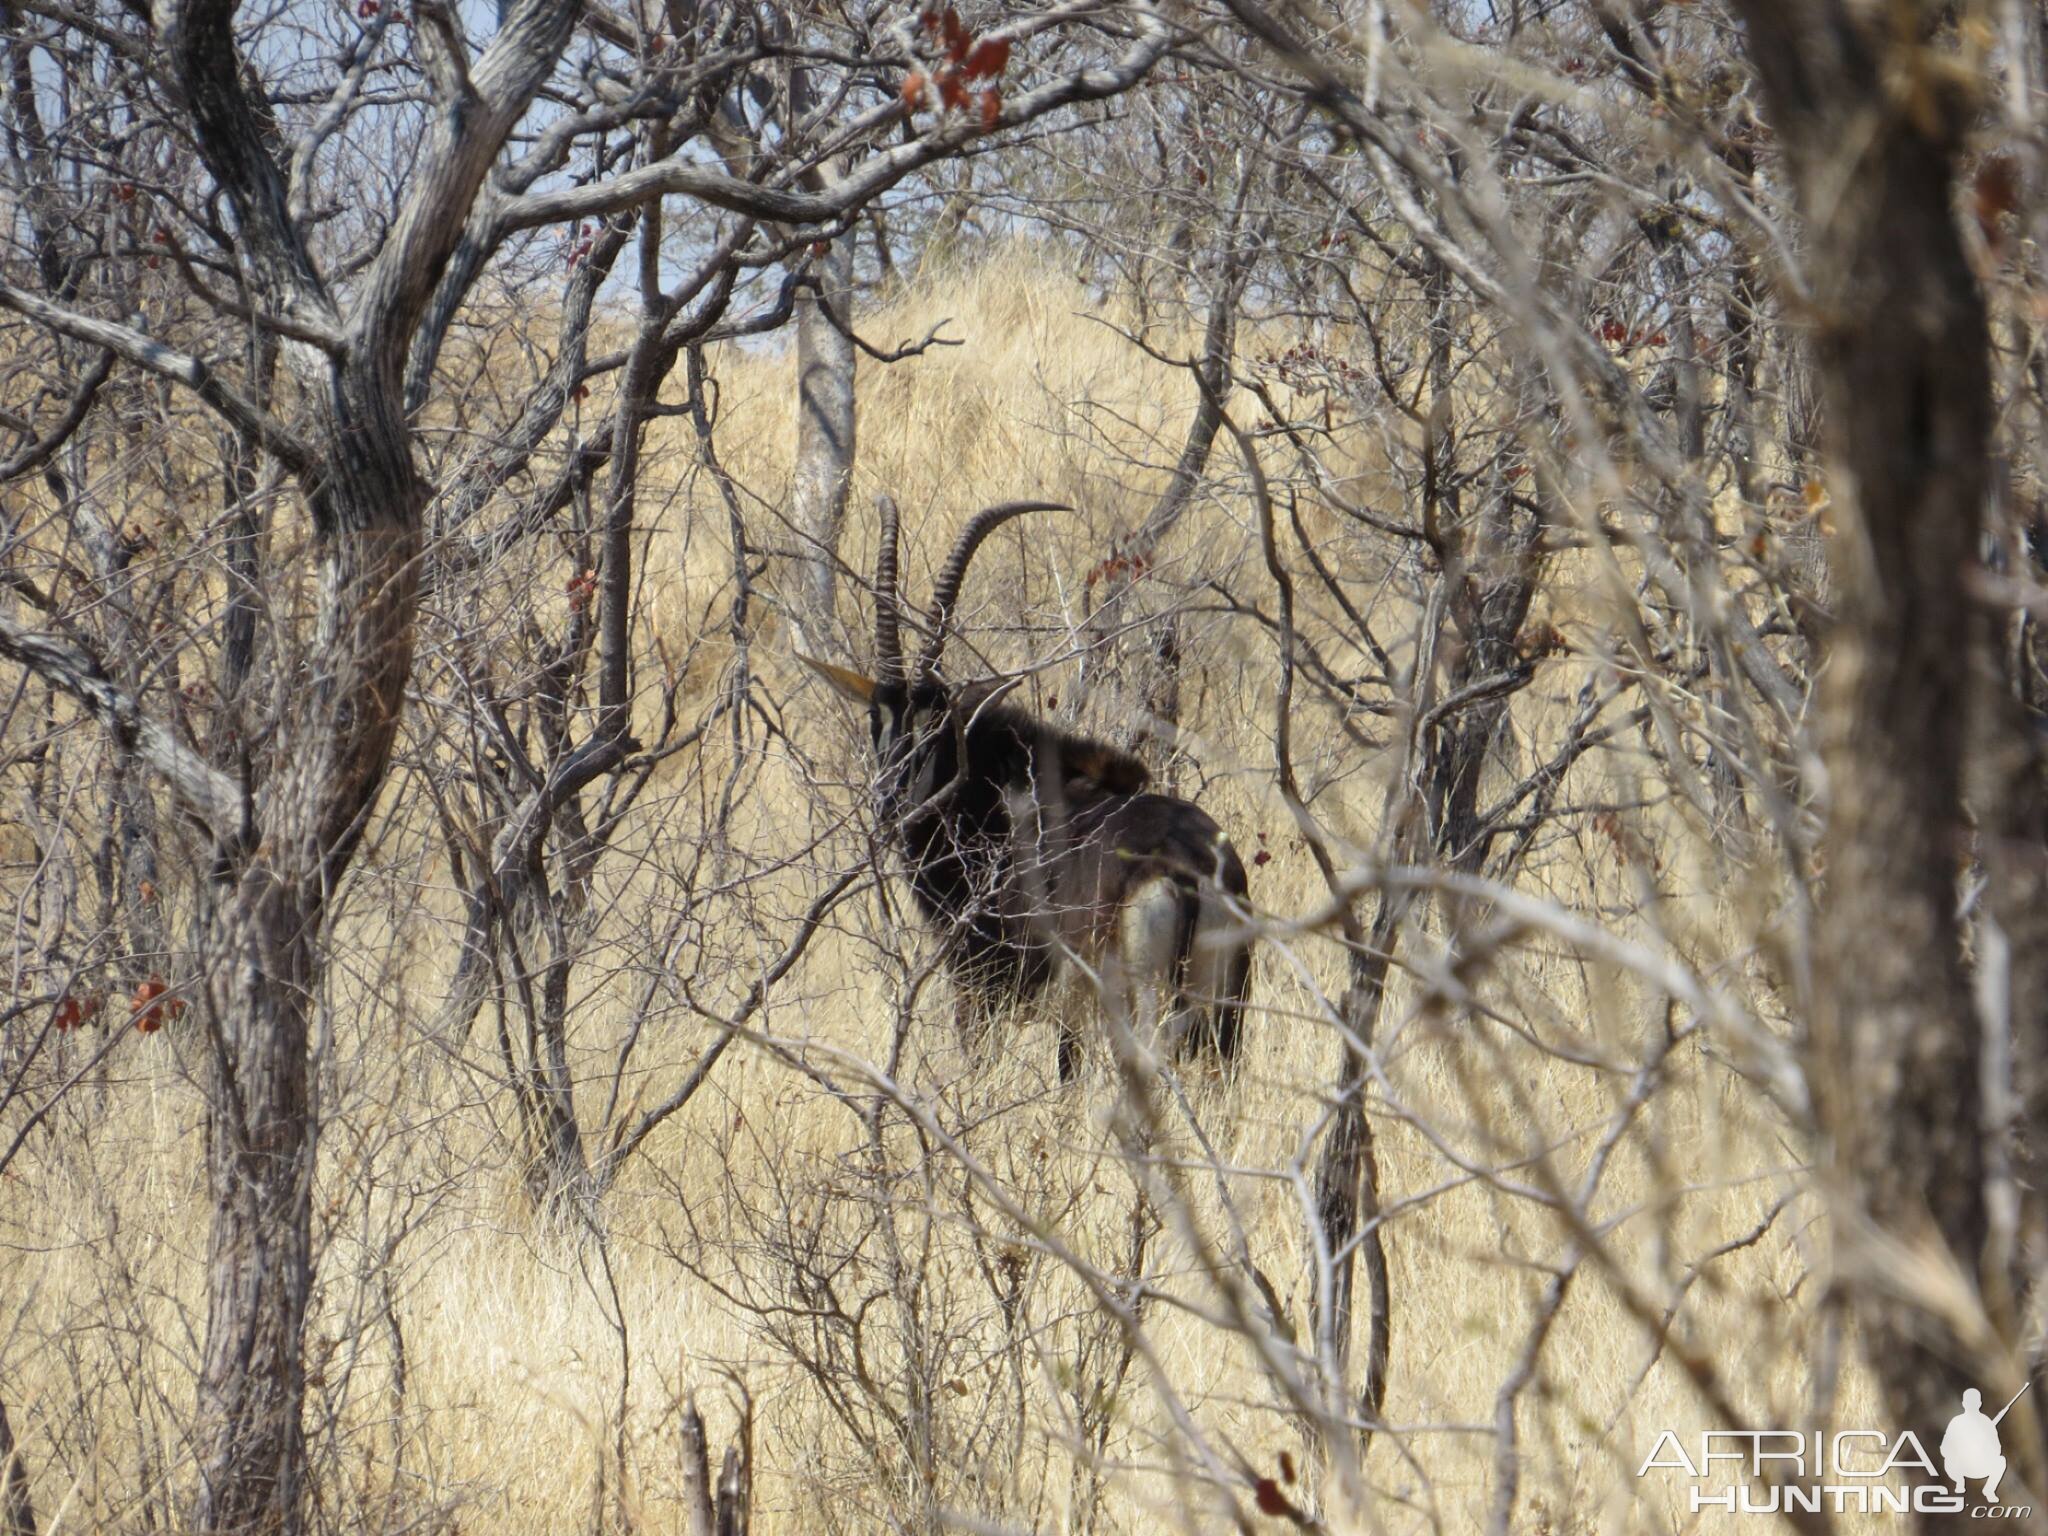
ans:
(1154, 834)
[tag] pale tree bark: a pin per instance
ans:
(1872, 113)
(825, 421)
(724, 1508)
(825, 401)
(1347, 1178)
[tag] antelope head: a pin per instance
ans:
(911, 704)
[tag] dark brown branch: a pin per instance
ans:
(33, 455)
(65, 665)
(132, 346)
(675, 177)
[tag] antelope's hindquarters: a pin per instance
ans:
(1185, 963)
(1154, 929)
(1218, 974)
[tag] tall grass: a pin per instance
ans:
(471, 1368)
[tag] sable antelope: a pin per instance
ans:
(1032, 847)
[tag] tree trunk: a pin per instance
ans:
(1873, 130)
(262, 953)
(558, 1175)
(262, 1136)
(824, 423)
(1348, 1176)
(1491, 568)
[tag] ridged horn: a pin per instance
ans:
(946, 590)
(888, 630)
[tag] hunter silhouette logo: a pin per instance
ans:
(1969, 1446)
(1860, 1471)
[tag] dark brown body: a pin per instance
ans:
(1040, 851)
(1036, 851)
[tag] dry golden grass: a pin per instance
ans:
(515, 1367)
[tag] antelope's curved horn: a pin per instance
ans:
(946, 590)
(888, 632)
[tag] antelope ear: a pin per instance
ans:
(860, 689)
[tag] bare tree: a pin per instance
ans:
(1915, 1101)
(282, 799)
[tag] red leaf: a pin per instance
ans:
(952, 94)
(1271, 1500)
(151, 1008)
(913, 90)
(955, 35)
(991, 109)
(987, 59)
